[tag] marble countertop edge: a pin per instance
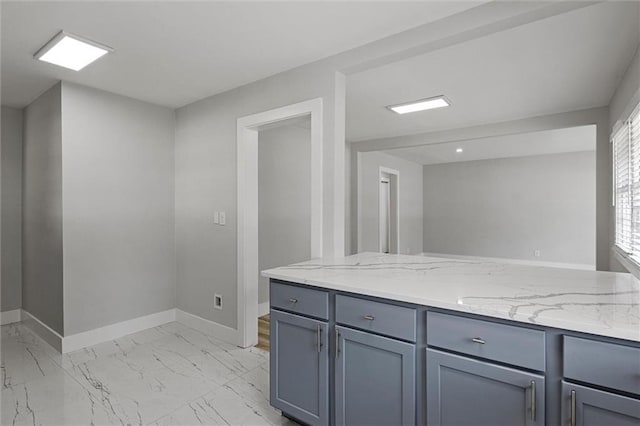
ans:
(601, 316)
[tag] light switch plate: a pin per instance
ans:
(223, 218)
(216, 217)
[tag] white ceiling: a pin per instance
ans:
(173, 53)
(557, 141)
(567, 62)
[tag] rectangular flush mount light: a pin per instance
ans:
(71, 51)
(421, 105)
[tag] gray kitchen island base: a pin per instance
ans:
(340, 358)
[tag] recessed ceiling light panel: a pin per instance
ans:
(420, 105)
(71, 51)
(459, 150)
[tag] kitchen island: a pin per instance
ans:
(394, 339)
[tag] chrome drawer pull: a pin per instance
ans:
(533, 400)
(319, 336)
(292, 300)
(337, 334)
(478, 340)
(573, 408)
(369, 317)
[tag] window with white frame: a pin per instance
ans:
(626, 163)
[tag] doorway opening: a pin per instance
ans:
(248, 272)
(284, 204)
(388, 211)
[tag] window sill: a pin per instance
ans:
(631, 265)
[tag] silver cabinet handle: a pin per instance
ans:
(573, 408)
(369, 317)
(533, 400)
(319, 337)
(478, 340)
(292, 300)
(337, 342)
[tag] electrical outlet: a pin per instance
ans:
(216, 217)
(217, 301)
(223, 218)
(536, 253)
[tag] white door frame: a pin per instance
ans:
(382, 171)
(247, 134)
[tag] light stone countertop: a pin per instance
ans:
(601, 303)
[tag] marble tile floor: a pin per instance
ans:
(167, 375)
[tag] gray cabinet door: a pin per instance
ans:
(584, 406)
(299, 373)
(462, 391)
(375, 380)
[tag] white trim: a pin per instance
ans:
(396, 173)
(114, 331)
(9, 317)
(359, 193)
(247, 219)
(338, 167)
(581, 266)
(622, 257)
(219, 331)
(263, 309)
(42, 330)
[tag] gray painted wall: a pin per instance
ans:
(206, 181)
(118, 158)
(284, 199)
(510, 207)
(42, 210)
(594, 116)
(411, 192)
(11, 154)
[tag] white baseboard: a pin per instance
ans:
(9, 317)
(114, 331)
(219, 331)
(263, 309)
(581, 266)
(97, 335)
(42, 330)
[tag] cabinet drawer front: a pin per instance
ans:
(376, 317)
(605, 364)
(513, 345)
(305, 301)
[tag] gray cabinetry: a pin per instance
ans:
(585, 406)
(345, 359)
(374, 379)
(603, 365)
(465, 391)
(300, 300)
(375, 317)
(300, 367)
(513, 345)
